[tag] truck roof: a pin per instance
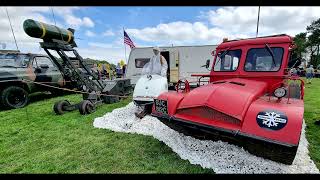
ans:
(175, 46)
(281, 38)
(18, 52)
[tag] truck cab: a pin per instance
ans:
(20, 74)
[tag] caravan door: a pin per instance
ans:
(174, 67)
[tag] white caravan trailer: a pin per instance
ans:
(182, 62)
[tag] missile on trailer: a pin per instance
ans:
(48, 32)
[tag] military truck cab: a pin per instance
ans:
(19, 71)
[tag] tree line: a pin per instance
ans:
(309, 42)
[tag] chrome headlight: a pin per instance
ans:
(280, 92)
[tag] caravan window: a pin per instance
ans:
(140, 62)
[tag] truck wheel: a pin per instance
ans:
(14, 97)
(86, 107)
(59, 107)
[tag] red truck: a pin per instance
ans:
(250, 99)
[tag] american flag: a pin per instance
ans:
(127, 40)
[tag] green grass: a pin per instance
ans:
(312, 114)
(35, 140)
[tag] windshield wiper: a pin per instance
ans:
(223, 54)
(272, 55)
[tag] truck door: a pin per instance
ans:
(46, 72)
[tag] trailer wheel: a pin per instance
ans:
(86, 107)
(59, 107)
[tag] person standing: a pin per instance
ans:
(124, 70)
(309, 74)
(118, 70)
(157, 65)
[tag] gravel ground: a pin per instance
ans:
(217, 155)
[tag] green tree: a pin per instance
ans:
(313, 42)
(300, 41)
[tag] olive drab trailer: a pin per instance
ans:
(248, 100)
(182, 62)
(94, 90)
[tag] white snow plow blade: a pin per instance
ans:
(149, 87)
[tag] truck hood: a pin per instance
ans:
(232, 96)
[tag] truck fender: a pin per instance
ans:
(276, 122)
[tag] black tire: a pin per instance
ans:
(86, 107)
(14, 97)
(59, 107)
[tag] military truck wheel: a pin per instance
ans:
(14, 97)
(59, 107)
(86, 107)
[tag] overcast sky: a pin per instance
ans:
(100, 29)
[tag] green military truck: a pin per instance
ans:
(19, 70)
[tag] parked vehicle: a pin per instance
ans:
(148, 87)
(15, 67)
(182, 62)
(247, 101)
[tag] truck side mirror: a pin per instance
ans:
(208, 63)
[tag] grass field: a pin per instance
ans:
(34, 140)
(312, 114)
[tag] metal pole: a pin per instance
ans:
(54, 19)
(14, 37)
(258, 22)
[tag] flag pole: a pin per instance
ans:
(258, 22)
(125, 51)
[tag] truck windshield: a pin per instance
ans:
(227, 60)
(259, 59)
(13, 60)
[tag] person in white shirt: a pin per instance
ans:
(157, 64)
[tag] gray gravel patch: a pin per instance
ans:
(220, 156)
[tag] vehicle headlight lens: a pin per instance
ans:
(280, 92)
